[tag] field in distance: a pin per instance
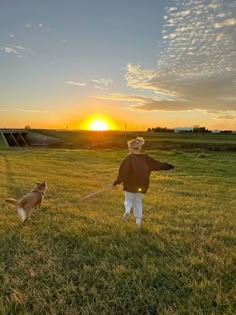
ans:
(153, 140)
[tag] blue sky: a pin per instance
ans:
(143, 63)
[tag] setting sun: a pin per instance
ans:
(98, 124)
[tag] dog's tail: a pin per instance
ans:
(12, 201)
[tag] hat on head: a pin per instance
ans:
(136, 144)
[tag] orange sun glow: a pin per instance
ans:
(98, 124)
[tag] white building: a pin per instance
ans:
(183, 129)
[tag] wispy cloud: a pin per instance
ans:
(44, 27)
(100, 84)
(148, 103)
(227, 22)
(16, 50)
(98, 87)
(220, 114)
(226, 116)
(9, 50)
(103, 82)
(120, 97)
(32, 110)
(196, 66)
(39, 26)
(18, 47)
(76, 83)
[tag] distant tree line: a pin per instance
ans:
(160, 129)
(194, 129)
(226, 131)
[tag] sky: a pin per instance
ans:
(136, 64)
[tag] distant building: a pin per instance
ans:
(191, 129)
(183, 129)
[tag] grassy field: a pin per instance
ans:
(154, 140)
(2, 143)
(79, 257)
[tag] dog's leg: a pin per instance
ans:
(36, 208)
(22, 214)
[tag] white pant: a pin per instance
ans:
(134, 200)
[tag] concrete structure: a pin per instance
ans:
(14, 137)
(26, 137)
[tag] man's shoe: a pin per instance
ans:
(125, 216)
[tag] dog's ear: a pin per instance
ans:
(41, 183)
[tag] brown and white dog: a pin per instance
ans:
(29, 203)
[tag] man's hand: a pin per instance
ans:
(115, 183)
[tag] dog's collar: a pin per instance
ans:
(40, 191)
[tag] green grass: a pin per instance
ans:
(79, 257)
(2, 143)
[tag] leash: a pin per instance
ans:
(96, 192)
